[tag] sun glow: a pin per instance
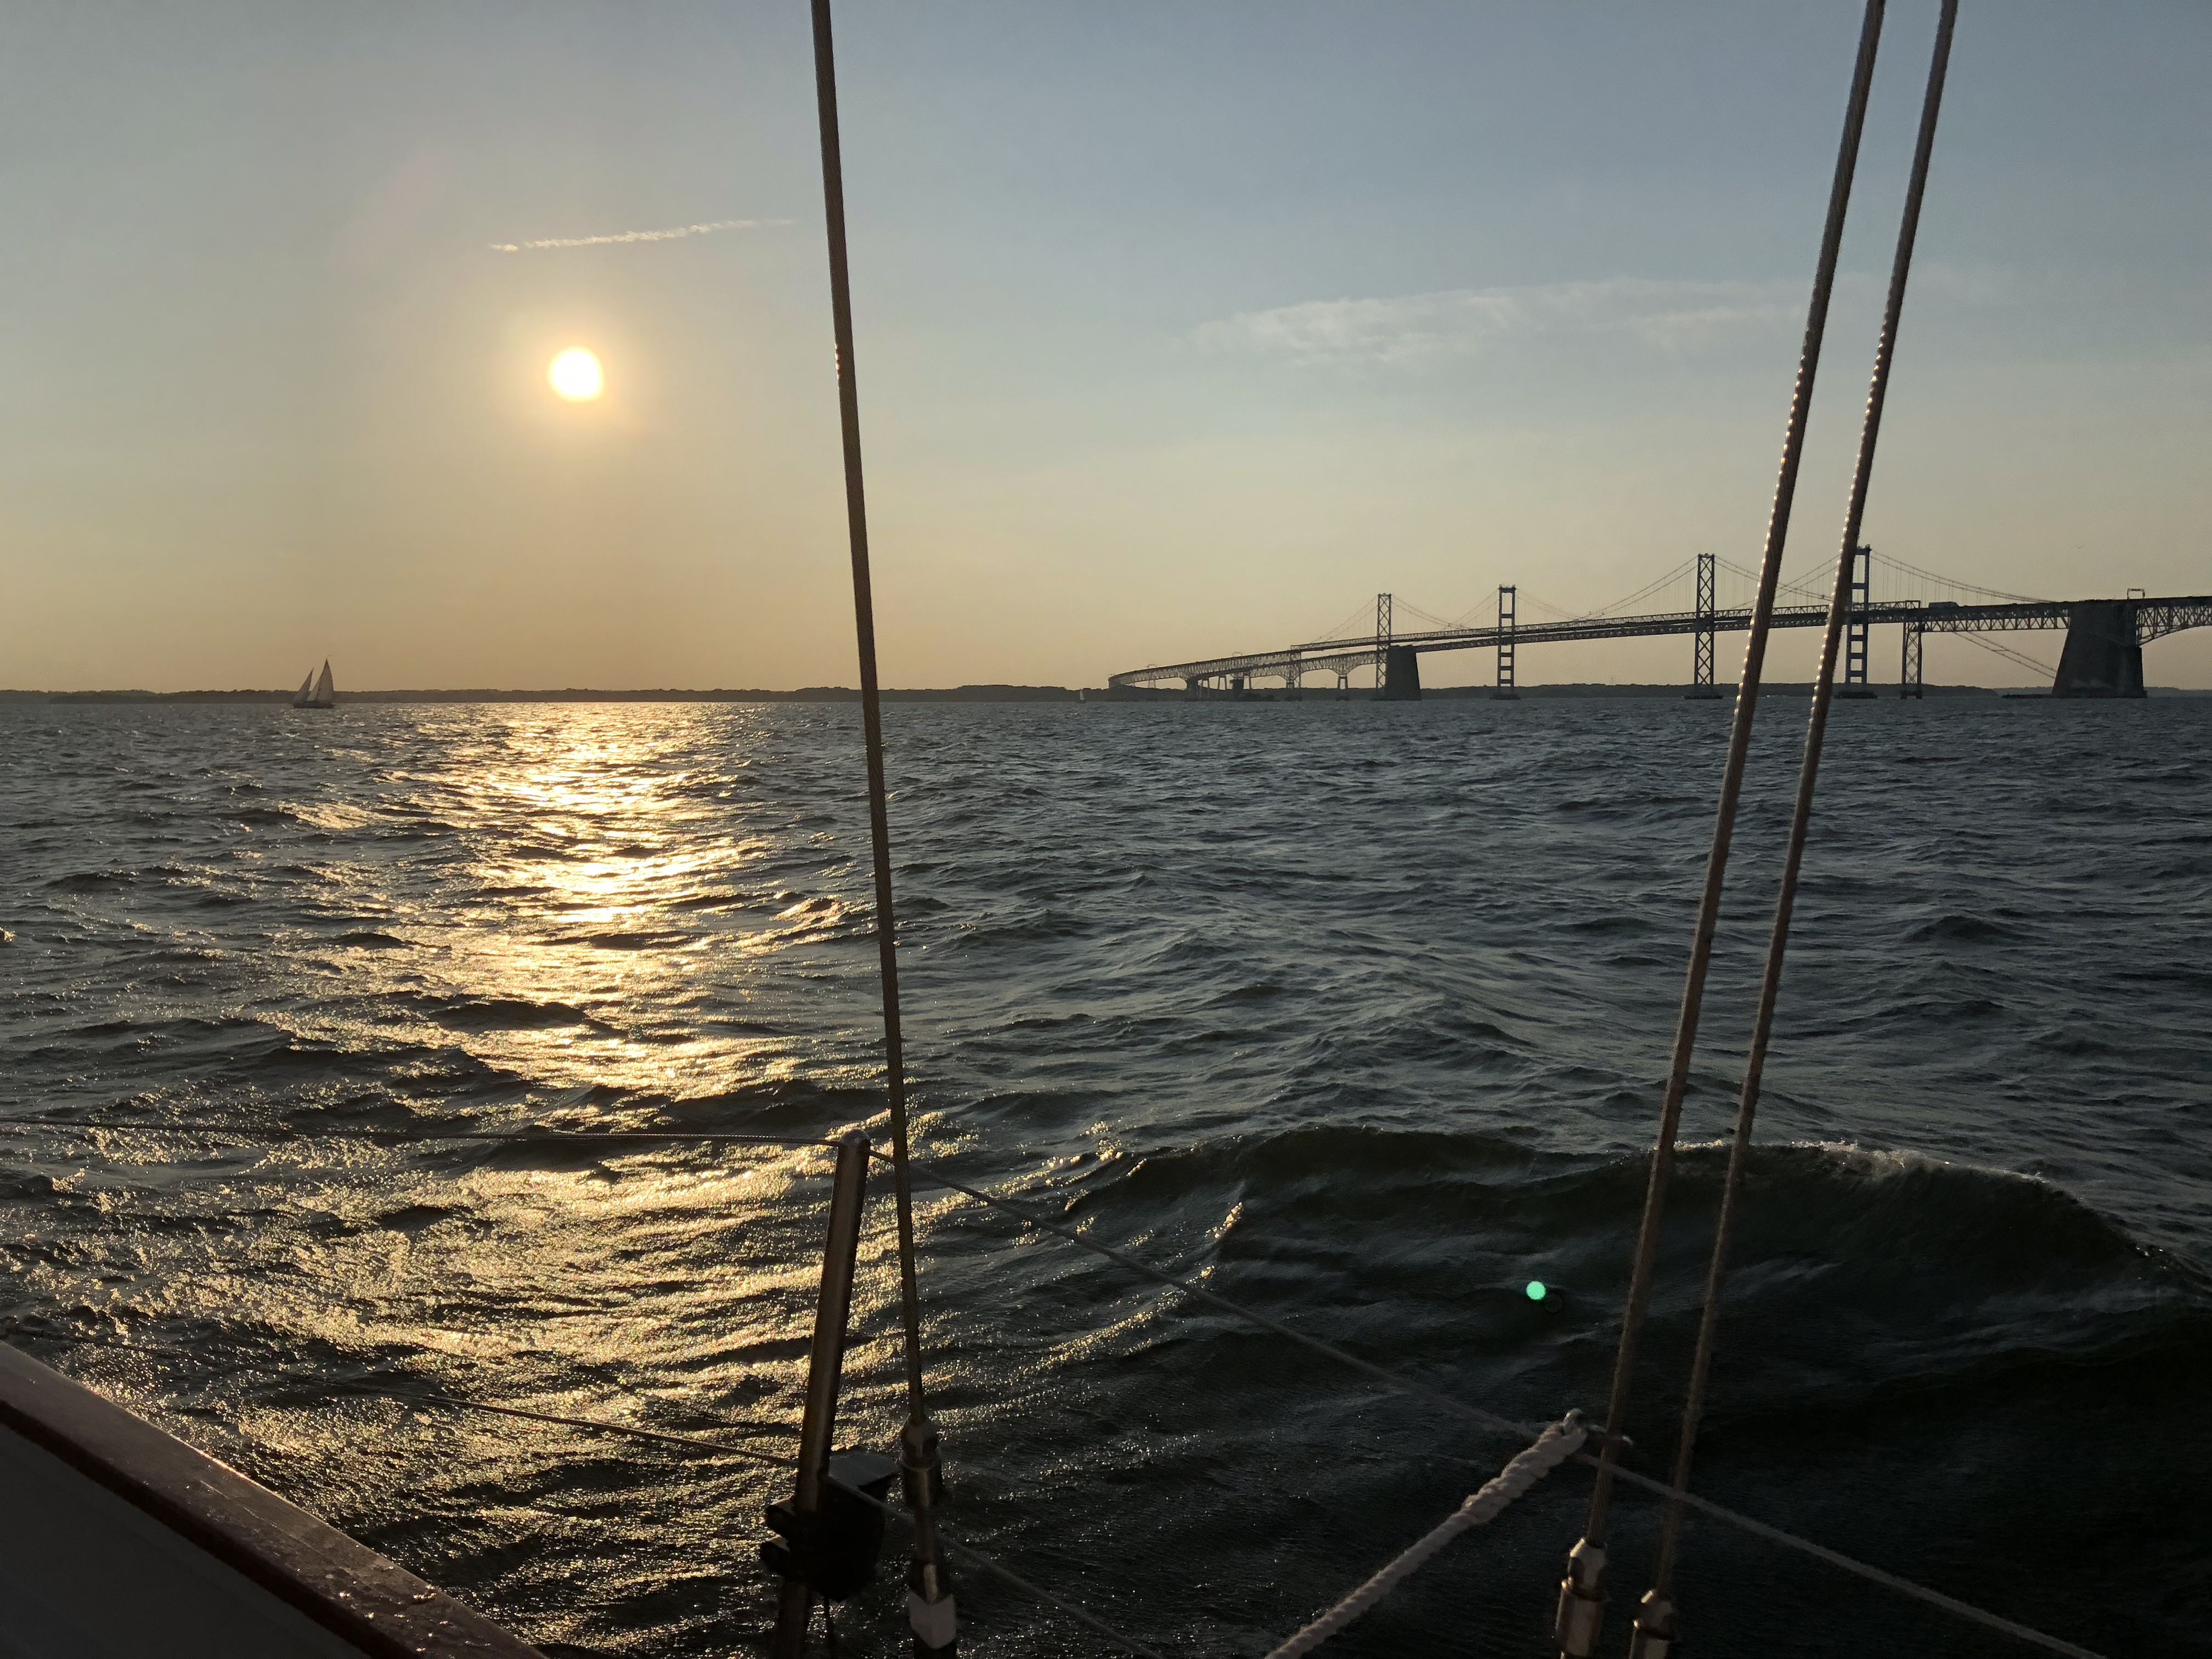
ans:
(574, 374)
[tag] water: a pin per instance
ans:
(1357, 1010)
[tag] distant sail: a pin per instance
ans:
(317, 694)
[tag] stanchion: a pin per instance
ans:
(929, 1608)
(806, 1556)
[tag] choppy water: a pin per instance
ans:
(1356, 1008)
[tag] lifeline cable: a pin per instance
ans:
(1405, 1385)
(1432, 1397)
(1770, 985)
(1462, 1409)
(386, 1391)
(529, 1135)
(1746, 704)
(692, 1442)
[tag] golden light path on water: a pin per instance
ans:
(596, 926)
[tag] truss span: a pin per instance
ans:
(2152, 619)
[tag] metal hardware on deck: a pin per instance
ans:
(1654, 1636)
(1582, 1600)
(929, 1605)
(808, 1559)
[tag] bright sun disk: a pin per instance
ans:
(574, 374)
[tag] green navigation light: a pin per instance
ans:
(1535, 1290)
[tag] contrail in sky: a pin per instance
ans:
(673, 233)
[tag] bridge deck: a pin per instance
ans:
(2154, 617)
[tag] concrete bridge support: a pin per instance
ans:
(1401, 675)
(2103, 656)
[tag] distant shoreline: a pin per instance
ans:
(833, 694)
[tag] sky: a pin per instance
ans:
(1182, 329)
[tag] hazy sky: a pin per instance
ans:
(1183, 328)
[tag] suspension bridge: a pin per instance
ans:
(2101, 657)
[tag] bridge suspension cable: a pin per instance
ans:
(2006, 651)
(1433, 620)
(1527, 597)
(1803, 588)
(1346, 626)
(1486, 607)
(1952, 583)
(1644, 592)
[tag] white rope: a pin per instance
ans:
(1561, 1441)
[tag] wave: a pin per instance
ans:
(1859, 1268)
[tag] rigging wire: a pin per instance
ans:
(1747, 703)
(871, 711)
(929, 1598)
(1659, 1608)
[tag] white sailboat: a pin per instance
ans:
(317, 693)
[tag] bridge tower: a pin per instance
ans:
(1508, 602)
(1381, 641)
(1855, 626)
(1908, 677)
(1701, 665)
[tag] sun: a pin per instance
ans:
(574, 374)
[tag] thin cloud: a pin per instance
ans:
(1416, 328)
(673, 233)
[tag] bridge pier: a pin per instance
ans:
(2103, 656)
(1908, 675)
(1401, 675)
